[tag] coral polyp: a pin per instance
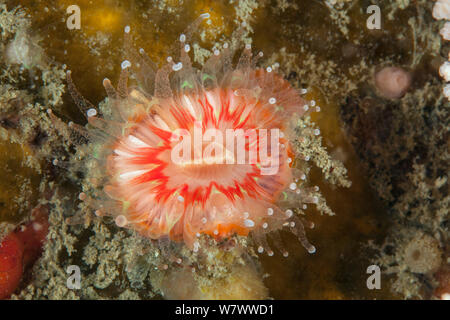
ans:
(205, 157)
(191, 152)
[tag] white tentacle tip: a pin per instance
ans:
(125, 64)
(177, 66)
(121, 221)
(249, 223)
(91, 112)
(312, 249)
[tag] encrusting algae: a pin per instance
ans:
(124, 253)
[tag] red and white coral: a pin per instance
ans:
(138, 183)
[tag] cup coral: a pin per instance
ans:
(238, 173)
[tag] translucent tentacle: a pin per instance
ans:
(83, 104)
